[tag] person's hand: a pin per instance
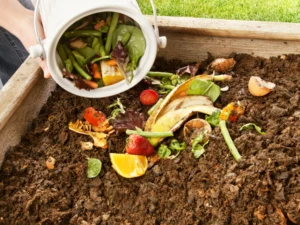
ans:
(27, 37)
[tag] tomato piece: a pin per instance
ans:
(94, 117)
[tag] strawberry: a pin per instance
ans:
(138, 145)
(148, 97)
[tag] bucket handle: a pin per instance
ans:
(161, 41)
(39, 50)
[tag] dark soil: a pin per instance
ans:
(262, 188)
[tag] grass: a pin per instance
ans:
(267, 10)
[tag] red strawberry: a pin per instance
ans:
(148, 97)
(138, 145)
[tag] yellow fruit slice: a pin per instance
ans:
(129, 166)
(110, 74)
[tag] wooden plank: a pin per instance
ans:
(230, 28)
(21, 100)
(192, 47)
(16, 89)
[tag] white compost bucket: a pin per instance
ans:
(58, 15)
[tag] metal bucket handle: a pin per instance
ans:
(39, 51)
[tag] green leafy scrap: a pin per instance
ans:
(250, 126)
(197, 147)
(94, 167)
(204, 88)
(165, 151)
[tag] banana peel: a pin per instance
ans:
(176, 108)
(172, 120)
(179, 91)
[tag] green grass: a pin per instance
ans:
(259, 10)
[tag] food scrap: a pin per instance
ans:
(259, 87)
(138, 145)
(99, 130)
(103, 50)
(129, 166)
(149, 97)
(222, 65)
(50, 162)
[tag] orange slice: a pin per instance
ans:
(129, 166)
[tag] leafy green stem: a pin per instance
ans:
(150, 134)
(229, 141)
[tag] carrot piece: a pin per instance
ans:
(96, 73)
(111, 62)
(100, 24)
(91, 84)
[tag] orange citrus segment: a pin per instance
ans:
(129, 166)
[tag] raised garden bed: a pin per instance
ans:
(262, 188)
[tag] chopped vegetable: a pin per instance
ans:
(149, 97)
(91, 84)
(94, 117)
(121, 59)
(128, 120)
(96, 72)
(94, 167)
(100, 24)
(118, 108)
(163, 151)
(205, 88)
(77, 79)
(250, 126)
(136, 44)
(150, 111)
(78, 43)
(111, 62)
(113, 39)
(216, 119)
(150, 134)
(197, 147)
(138, 145)
(112, 28)
(82, 33)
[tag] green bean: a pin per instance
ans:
(100, 58)
(81, 33)
(76, 65)
(69, 65)
(61, 52)
(112, 28)
(102, 51)
(159, 74)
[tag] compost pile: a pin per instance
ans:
(261, 188)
